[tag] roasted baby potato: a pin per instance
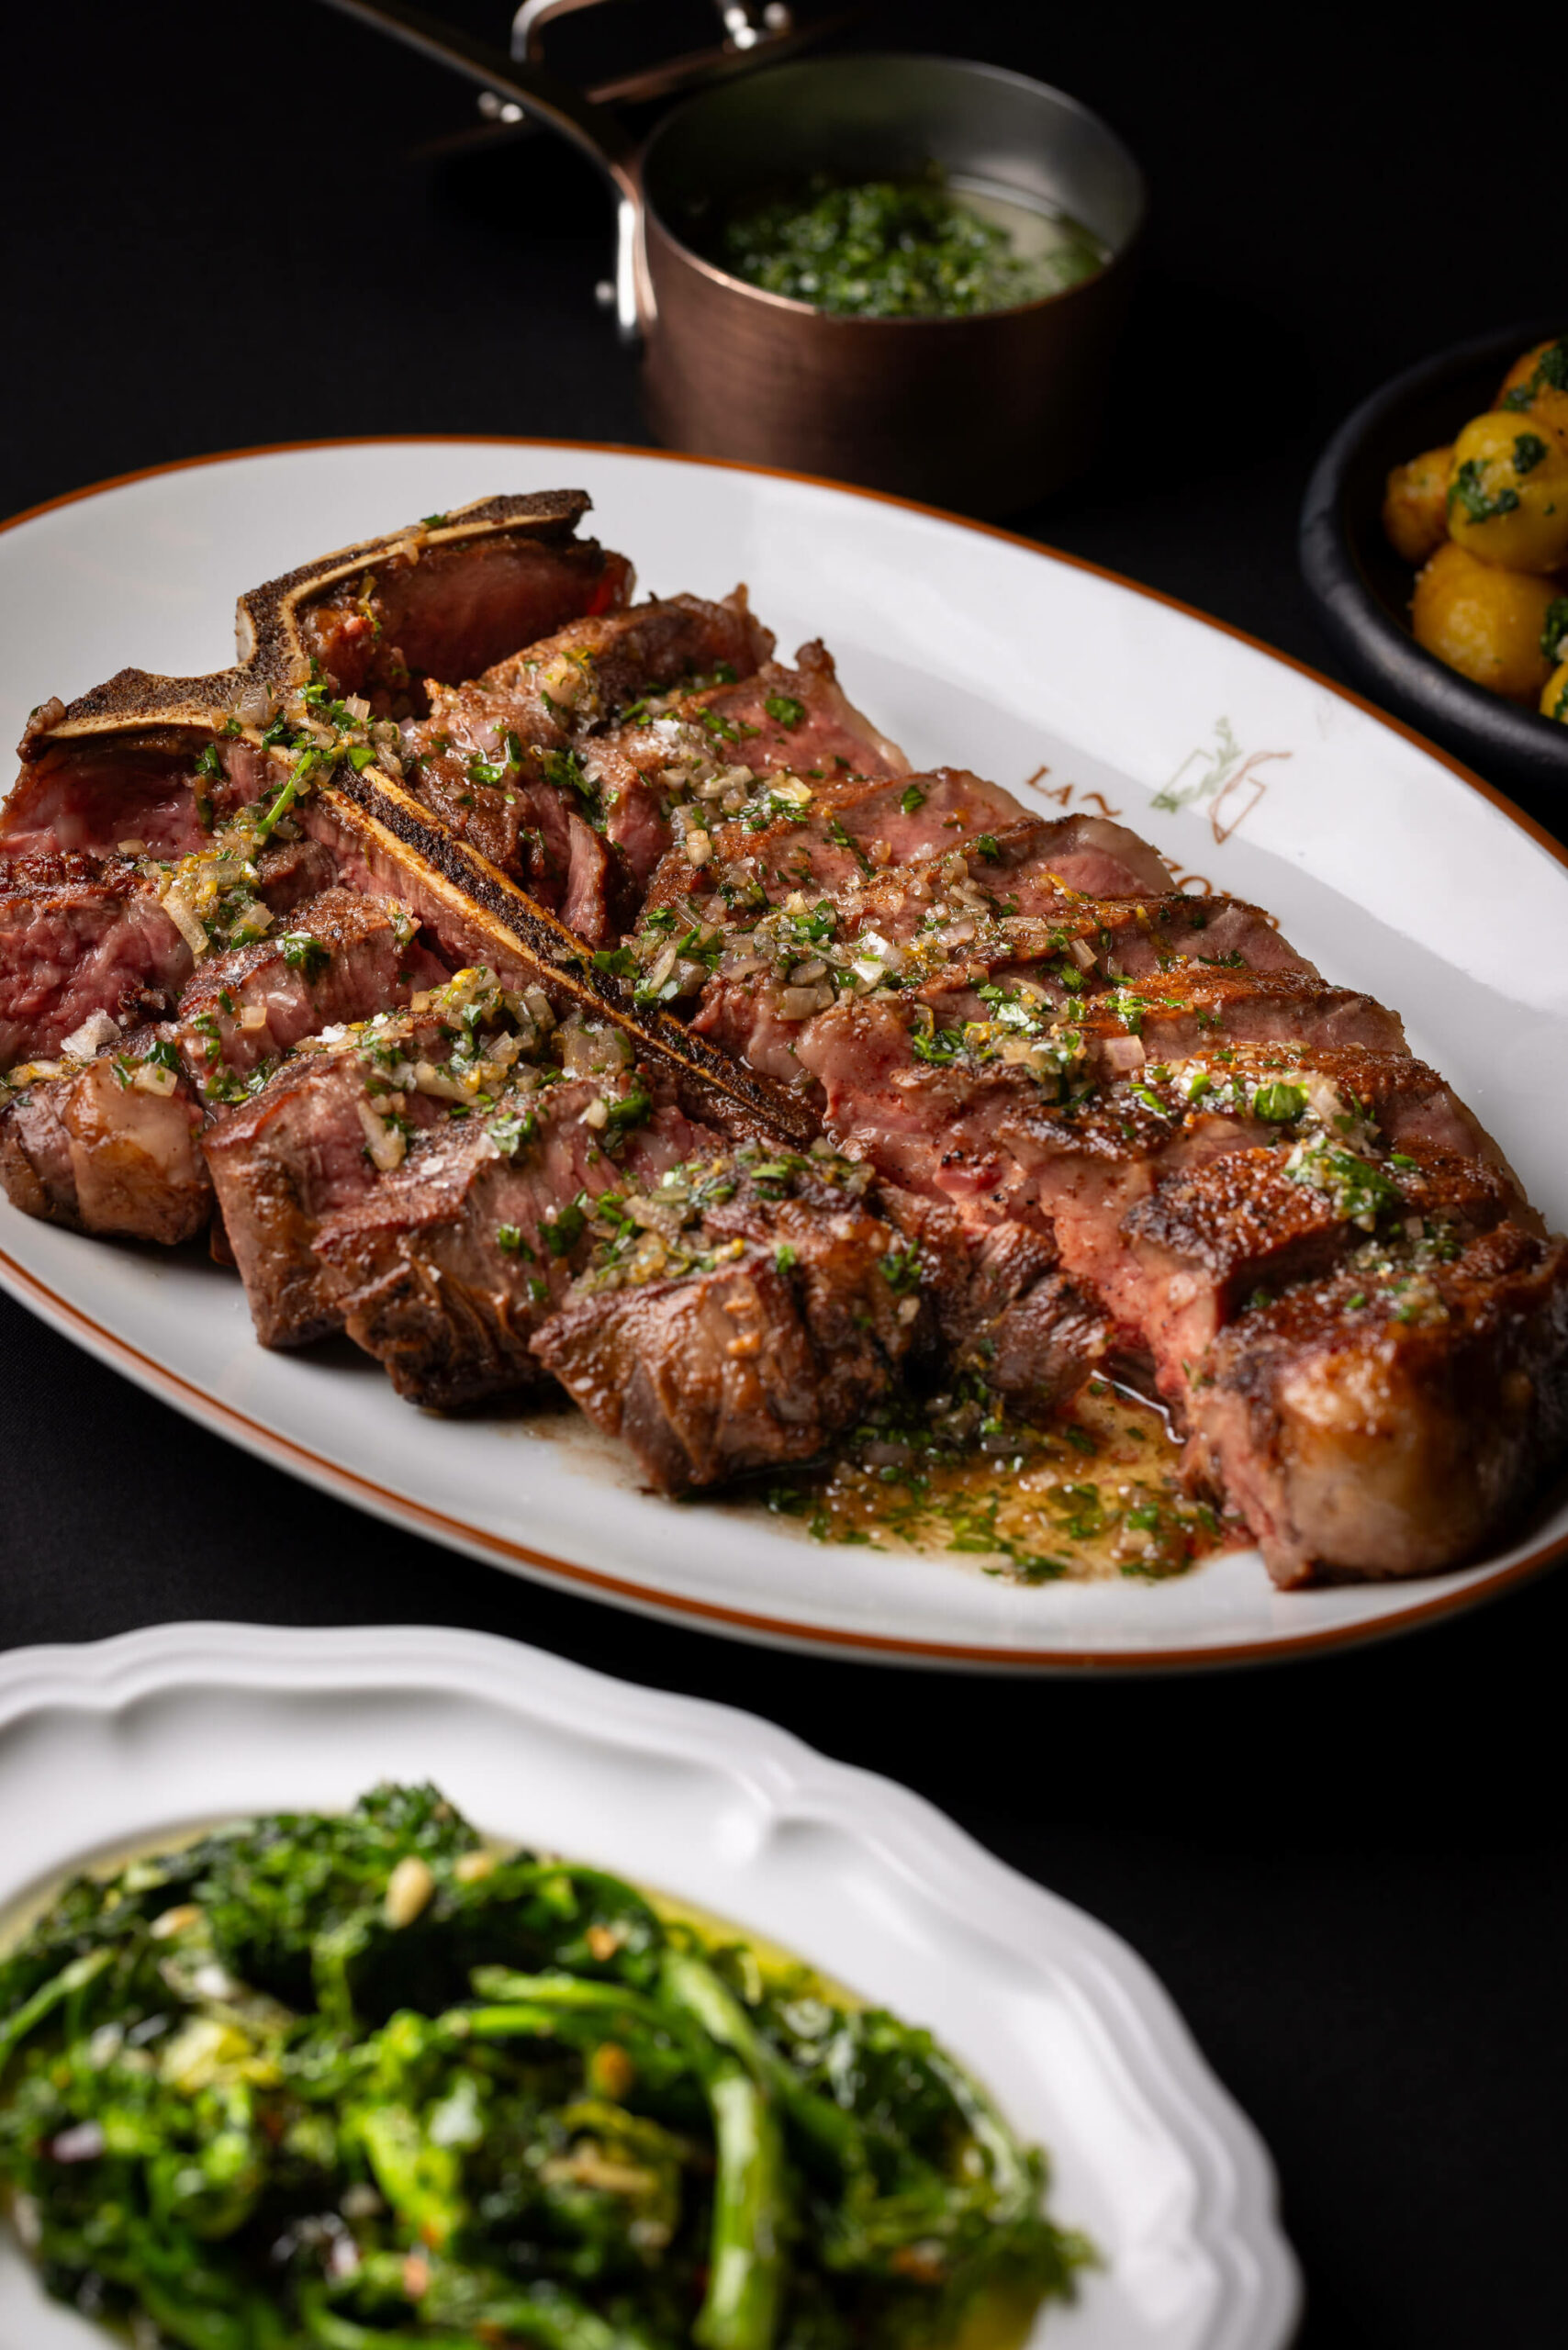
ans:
(1554, 694)
(1414, 506)
(1537, 385)
(1507, 495)
(1484, 622)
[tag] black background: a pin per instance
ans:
(229, 226)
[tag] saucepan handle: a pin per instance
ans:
(752, 30)
(592, 128)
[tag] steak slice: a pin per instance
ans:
(701, 750)
(797, 837)
(126, 1128)
(336, 1116)
(448, 1265)
(496, 759)
(342, 958)
(737, 1317)
(801, 997)
(1393, 1426)
(79, 939)
(1077, 885)
(84, 797)
(87, 945)
(1004, 1310)
(111, 1148)
(449, 612)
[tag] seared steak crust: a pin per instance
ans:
(1391, 1430)
(788, 1305)
(446, 1267)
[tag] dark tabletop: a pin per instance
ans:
(231, 227)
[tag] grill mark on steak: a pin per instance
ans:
(779, 1330)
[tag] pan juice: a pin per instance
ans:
(1094, 1494)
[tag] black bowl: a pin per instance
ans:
(1360, 588)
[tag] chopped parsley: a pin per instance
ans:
(1468, 489)
(310, 956)
(634, 1109)
(1279, 1103)
(564, 770)
(785, 710)
(563, 1231)
(902, 1270)
(511, 1130)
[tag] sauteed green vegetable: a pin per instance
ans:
(358, 2080)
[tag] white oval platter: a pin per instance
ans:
(1385, 863)
(120, 1743)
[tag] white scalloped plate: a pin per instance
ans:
(1387, 866)
(124, 1742)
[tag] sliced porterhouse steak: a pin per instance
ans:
(498, 759)
(112, 1148)
(338, 1115)
(1122, 1120)
(739, 1314)
(448, 1266)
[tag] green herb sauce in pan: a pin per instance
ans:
(361, 2081)
(906, 249)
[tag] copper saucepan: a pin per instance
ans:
(984, 414)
